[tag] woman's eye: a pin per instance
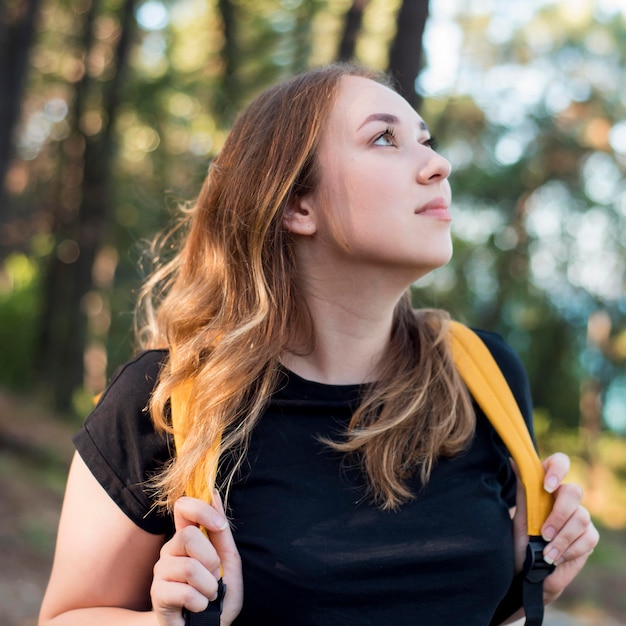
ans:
(385, 139)
(431, 143)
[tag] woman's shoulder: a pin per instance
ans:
(505, 356)
(137, 375)
(121, 446)
(511, 366)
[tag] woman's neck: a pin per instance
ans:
(351, 304)
(350, 336)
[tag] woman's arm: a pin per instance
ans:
(103, 565)
(103, 562)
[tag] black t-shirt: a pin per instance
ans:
(314, 550)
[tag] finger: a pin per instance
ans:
(188, 571)
(582, 547)
(573, 531)
(224, 544)
(561, 577)
(192, 542)
(173, 596)
(556, 467)
(195, 512)
(566, 502)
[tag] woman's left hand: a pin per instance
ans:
(569, 530)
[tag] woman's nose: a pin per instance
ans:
(435, 168)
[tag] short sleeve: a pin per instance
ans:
(515, 374)
(120, 445)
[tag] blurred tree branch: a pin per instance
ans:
(405, 56)
(351, 28)
(17, 27)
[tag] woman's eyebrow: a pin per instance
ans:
(388, 118)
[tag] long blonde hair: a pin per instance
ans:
(227, 306)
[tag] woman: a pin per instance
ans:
(361, 486)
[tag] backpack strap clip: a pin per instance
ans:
(535, 571)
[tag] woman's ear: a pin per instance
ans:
(299, 216)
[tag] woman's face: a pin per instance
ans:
(383, 196)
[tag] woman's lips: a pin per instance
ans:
(438, 208)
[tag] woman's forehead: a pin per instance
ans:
(363, 100)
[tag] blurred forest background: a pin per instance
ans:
(110, 113)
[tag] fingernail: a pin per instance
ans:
(220, 522)
(551, 483)
(551, 557)
(549, 533)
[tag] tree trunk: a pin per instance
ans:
(351, 29)
(59, 294)
(63, 332)
(405, 57)
(17, 27)
(228, 93)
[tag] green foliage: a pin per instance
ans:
(534, 129)
(20, 298)
(531, 124)
(598, 465)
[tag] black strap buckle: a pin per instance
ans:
(535, 571)
(211, 615)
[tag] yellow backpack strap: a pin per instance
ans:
(492, 393)
(490, 390)
(202, 484)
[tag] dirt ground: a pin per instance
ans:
(35, 450)
(34, 455)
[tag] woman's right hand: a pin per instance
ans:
(186, 574)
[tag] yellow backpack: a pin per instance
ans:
(491, 392)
